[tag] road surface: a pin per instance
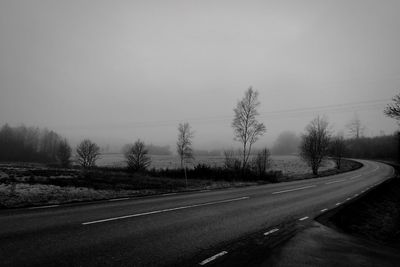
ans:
(170, 229)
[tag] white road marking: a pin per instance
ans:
(355, 177)
(118, 199)
(165, 210)
(337, 181)
(375, 169)
(324, 210)
(169, 194)
(294, 189)
(304, 218)
(43, 207)
(213, 257)
(337, 204)
(356, 195)
(205, 190)
(271, 231)
(347, 199)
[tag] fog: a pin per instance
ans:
(115, 71)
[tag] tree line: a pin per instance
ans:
(30, 144)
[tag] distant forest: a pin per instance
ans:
(28, 144)
(379, 147)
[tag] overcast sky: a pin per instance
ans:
(115, 71)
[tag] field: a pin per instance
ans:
(289, 165)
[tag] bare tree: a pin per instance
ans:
(87, 152)
(337, 150)
(184, 145)
(246, 128)
(64, 153)
(315, 143)
(262, 162)
(136, 156)
(355, 127)
(393, 110)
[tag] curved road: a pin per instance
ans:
(169, 229)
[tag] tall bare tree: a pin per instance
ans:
(184, 145)
(393, 110)
(315, 143)
(136, 156)
(246, 128)
(355, 127)
(338, 149)
(87, 153)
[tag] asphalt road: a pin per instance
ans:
(169, 229)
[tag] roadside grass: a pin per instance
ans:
(22, 187)
(375, 216)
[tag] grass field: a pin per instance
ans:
(289, 165)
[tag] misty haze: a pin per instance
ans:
(199, 133)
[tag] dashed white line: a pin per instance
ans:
(271, 231)
(356, 195)
(293, 189)
(324, 210)
(43, 207)
(355, 177)
(165, 210)
(337, 181)
(118, 199)
(337, 204)
(304, 218)
(210, 259)
(347, 199)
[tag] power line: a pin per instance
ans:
(275, 114)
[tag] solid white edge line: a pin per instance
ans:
(304, 218)
(337, 181)
(118, 199)
(271, 231)
(165, 210)
(210, 259)
(169, 194)
(293, 189)
(43, 207)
